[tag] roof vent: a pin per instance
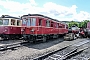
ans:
(4, 16)
(29, 14)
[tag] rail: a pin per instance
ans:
(54, 56)
(11, 46)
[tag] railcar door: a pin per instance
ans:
(40, 26)
(24, 22)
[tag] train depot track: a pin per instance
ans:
(66, 52)
(56, 49)
(10, 44)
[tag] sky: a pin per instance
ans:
(63, 10)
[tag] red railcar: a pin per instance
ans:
(10, 27)
(40, 27)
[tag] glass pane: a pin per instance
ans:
(56, 25)
(1, 22)
(5, 22)
(24, 21)
(40, 22)
(48, 23)
(18, 22)
(28, 22)
(33, 21)
(12, 22)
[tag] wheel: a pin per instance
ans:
(44, 38)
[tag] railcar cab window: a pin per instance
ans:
(12, 22)
(29, 22)
(33, 21)
(4, 21)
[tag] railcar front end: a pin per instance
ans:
(10, 27)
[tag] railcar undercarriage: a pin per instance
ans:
(43, 37)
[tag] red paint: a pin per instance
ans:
(10, 30)
(88, 25)
(43, 29)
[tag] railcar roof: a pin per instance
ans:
(7, 16)
(41, 16)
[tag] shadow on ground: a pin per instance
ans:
(40, 45)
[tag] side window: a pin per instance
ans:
(51, 24)
(40, 22)
(18, 22)
(57, 25)
(66, 26)
(60, 26)
(63, 26)
(12, 22)
(5, 21)
(1, 22)
(47, 23)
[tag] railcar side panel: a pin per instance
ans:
(14, 30)
(4, 30)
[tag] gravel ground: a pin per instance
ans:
(9, 42)
(84, 55)
(27, 52)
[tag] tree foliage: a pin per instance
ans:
(79, 24)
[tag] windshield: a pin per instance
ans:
(74, 28)
(29, 22)
(4, 21)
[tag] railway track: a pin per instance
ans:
(65, 53)
(13, 45)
